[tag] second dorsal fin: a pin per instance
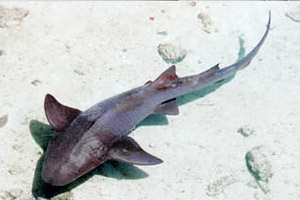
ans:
(169, 107)
(59, 115)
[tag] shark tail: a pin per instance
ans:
(170, 85)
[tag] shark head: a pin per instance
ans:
(77, 148)
(64, 165)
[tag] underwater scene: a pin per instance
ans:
(149, 100)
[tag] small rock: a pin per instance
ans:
(206, 21)
(3, 120)
(193, 3)
(17, 147)
(170, 53)
(10, 17)
(246, 130)
(258, 164)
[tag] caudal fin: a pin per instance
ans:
(244, 62)
(169, 85)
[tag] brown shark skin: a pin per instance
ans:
(84, 140)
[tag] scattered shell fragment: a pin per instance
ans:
(15, 169)
(170, 53)
(258, 164)
(10, 17)
(162, 33)
(218, 186)
(294, 14)
(12, 194)
(35, 82)
(246, 130)
(80, 73)
(3, 120)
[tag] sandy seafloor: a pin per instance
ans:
(84, 52)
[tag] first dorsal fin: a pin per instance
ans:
(161, 83)
(59, 115)
(127, 150)
(167, 76)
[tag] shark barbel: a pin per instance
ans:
(84, 140)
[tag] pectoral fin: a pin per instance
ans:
(127, 150)
(167, 108)
(58, 115)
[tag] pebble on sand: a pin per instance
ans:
(3, 120)
(10, 17)
(258, 164)
(246, 130)
(171, 53)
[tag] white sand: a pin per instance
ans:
(84, 52)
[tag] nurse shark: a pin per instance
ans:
(85, 139)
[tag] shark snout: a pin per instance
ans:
(57, 176)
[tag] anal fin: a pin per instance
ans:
(127, 150)
(169, 107)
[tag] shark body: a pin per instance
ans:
(84, 140)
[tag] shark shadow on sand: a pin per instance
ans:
(154, 120)
(43, 133)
